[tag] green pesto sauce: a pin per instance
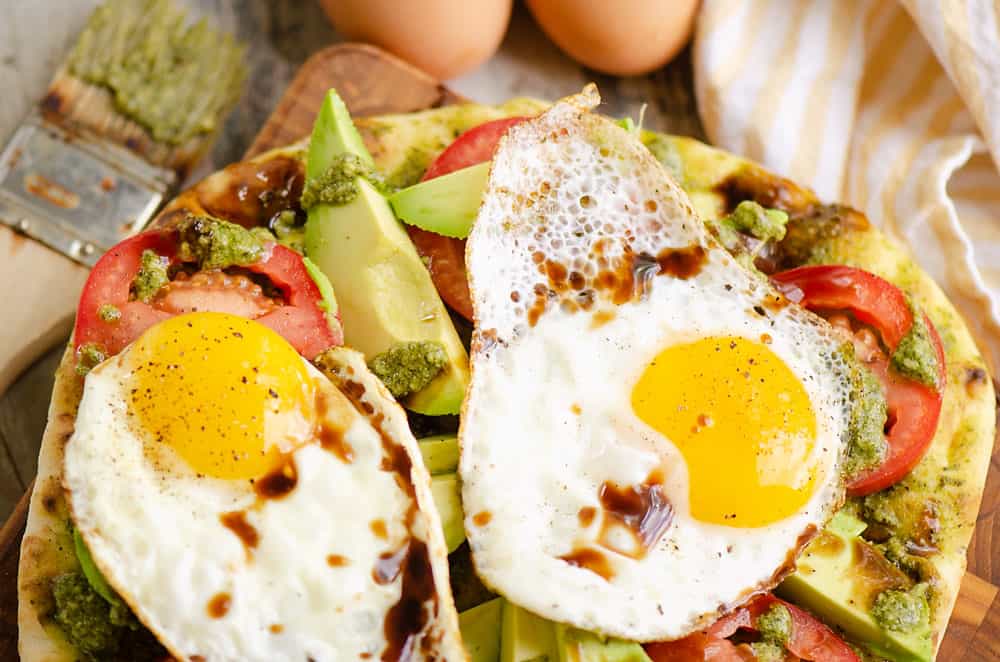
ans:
(87, 357)
(903, 611)
(84, 615)
(768, 651)
(338, 185)
(894, 549)
(407, 367)
(866, 445)
(901, 516)
(120, 613)
(880, 507)
(750, 218)
(817, 238)
(88, 609)
(109, 313)
(156, 66)
(215, 244)
(775, 625)
(151, 277)
(262, 234)
(915, 356)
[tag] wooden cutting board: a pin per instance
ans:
(372, 82)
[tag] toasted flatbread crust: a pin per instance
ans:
(47, 547)
(952, 473)
(345, 367)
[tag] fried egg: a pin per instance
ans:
(652, 433)
(248, 506)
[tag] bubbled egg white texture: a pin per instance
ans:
(651, 433)
(241, 504)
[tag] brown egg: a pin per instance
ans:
(624, 38)
(443, 37)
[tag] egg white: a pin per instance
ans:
(153, 529)
(548, 417)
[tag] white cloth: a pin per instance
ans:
(891, 107)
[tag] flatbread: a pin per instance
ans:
(952, 474)
(47, 546)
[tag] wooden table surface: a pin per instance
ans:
(35, 36)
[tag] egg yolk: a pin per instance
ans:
(743, 423)
(228, 395)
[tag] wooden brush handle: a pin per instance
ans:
(41, 289)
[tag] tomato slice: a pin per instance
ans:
(110, 282)
(445, 255)
(299, 319)
(810, 639)
(471, 147)
(699, 647)
(913, 408)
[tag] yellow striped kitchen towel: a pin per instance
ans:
(892, 107)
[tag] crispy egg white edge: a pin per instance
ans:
(350, 365)
(828, 496)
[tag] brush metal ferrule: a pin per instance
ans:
(75, 193)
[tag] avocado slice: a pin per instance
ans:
(480, 628)
(830, 582)
(91, 572)
(581, 646)
(440, 453)
(329, 300)
(447, 205)
(448, 500)
(334, 133)
(384, 291)
(526, 637)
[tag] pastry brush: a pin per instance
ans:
(137, 102)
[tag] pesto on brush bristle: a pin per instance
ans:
(175, 79)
